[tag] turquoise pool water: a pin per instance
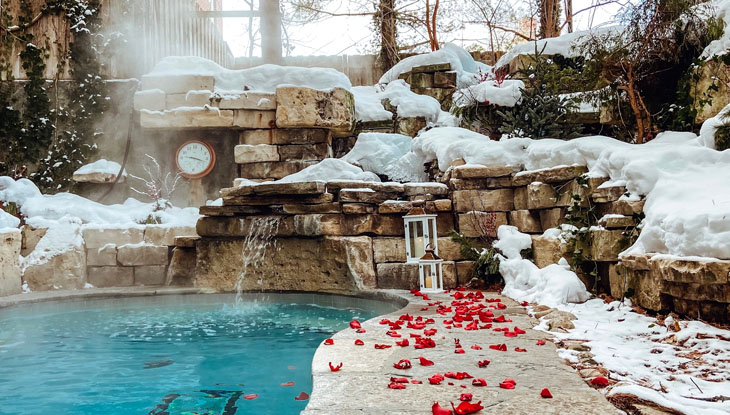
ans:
(168, 355)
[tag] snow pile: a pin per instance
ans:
(567, 45)
(101, 166)
(264, 78)
(685, 183)
(377, 152)
(17, 191)
(331, 170)
(409, 103)
(62, 236)
(719, 46)
(683, 371)
(367, 104)
(8, 222)
(707, 132)
(524, 281)
(507, 93)
(461, 61)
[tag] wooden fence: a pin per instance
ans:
(141, 33)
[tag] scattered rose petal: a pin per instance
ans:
(424, 361)
(436, 379)
(599, 381)
(383, 346)
(399, 380)
(394, 385)
(402, 343)
(483, 363)
(459, 351)
(466, 397)
(290, 383)
(519, 330)
(360, 331)
(545, 393)
(402, 364)
(501, 347)
(416, 382)
(250, 397)
(466, 408)
(524, 304)
(335, 368)
(436, 409)
(476, 347)
(519, 349)
(425, 297)
(354, 324)
(507, 385)
(479, 382)
(302, 397)
(359, 342)
(541, 342)
(329, 342)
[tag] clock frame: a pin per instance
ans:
(207, 169)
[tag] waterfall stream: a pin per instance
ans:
(261, 235)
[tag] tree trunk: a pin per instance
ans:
(271, 31)
(388, 34)
(549, 18)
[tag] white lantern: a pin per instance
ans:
(420, 232)
(430, 272)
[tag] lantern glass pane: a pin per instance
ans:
(427, 276)
(416, 239)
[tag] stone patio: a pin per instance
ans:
(361, 386)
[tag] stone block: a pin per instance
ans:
(65, 271)
(189, 99)
(709, 271)
(608, 194)
(710, 92)
(248, 101)
(387, 187)
(501, 200)
(150, 275)
(104, 256)
(187, 118)
(449, 276)
(319, 151)
(305, 107)
(358, 208)
(397, 276)
(299, 208)
(253, 119)
(525, 221)
(175, 84)
(286, 136)
(552, 218)
(273, 169)
(646, 287)
(244, 153)
(240, 226)
(10, 247)
(554, 175)
(617, 222)
(99, 237)
(464, 272)
(113, 276)
(265, 202)
(621, 207)
(363, 196)
(165, 234)
(277, 189)
(520, 198)
(410, 126)
(31, 237)
(421, 80)
(142, 254)
(481, 184)
(435, 67)
(636, 262)
(474, 224)
(547, 251)
(359, 259)
(541, 196)
(444, 79)
(151, 100)
(415, 189)
(607, 244)
(573, 192)
(389, 250)
(449, 250)
(96, 177)
(395, 206)
(480, 172)
(181, 271)
(186, 241)
(438, 205)
(348, 225)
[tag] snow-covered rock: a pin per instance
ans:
(329, 170)
(376, 152)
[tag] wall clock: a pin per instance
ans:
(195, 159)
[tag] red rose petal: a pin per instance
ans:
(483, 363)
(354, 324)
(545, 393)
(466, 408)
(436, 409)
(402, 343)
(479, 382)
(436, 379)
(519, 349)
(459, 351)
(250, 397)
(396, 386)
(402, 364)
(466, 397)
(398, 380)
(383, 346)
(329, 342)
(302, 397)
(416, 382)
(359, 342)
(335, 368)
(599, 381)
(504, 385)
(476, 347)
(541, 342)
(424, 361)
(290, 383)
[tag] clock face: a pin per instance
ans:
(195, 159)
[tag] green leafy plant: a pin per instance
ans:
(486, 261)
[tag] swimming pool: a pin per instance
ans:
(198, 354)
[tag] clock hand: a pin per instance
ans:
(195, 158)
